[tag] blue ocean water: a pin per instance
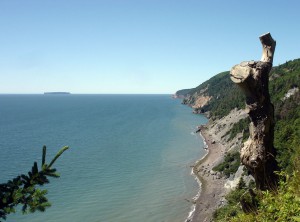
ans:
(129, 157)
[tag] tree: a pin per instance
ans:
(258, 153)
(241, 183)
(23, 190)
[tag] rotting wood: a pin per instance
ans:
(258, 153)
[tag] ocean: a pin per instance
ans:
(129, 160)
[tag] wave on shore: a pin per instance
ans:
(194, 173)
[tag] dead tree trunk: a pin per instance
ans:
(258, 153)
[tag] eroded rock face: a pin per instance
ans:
(290, 93)
(197, 100)
(201, 101)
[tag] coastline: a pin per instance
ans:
(212, 191)
(213, 186)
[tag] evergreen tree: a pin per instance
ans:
(23, 190)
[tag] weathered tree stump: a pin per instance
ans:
(258, 153)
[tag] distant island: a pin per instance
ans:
(57, 93)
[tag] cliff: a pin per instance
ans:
(221, 100)
(216, 97)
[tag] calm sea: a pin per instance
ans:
(129, 160)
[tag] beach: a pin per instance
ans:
(212, 184)
(214, 187)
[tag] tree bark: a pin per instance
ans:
(258, 153)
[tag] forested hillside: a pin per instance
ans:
(284, 204)
(285, 94)
(225, 96)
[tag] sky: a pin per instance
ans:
(135, 46)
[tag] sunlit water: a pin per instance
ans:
(129, 160)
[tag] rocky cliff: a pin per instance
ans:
(223, 103)
(215, 97)
(218, 95)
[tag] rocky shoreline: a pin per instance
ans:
(212, 184)
(214, 187)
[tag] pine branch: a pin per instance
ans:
(23, 190)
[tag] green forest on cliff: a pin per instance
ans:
(282, 204)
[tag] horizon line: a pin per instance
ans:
(69, 93)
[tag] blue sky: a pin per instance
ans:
(130, 46)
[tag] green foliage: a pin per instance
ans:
(241, 126)
(230, 164)
(283, 78)
(183, 92)
(226, 212)
(225, 95)
(287, 112)
(232, 208)
(282, 204)
(23, 190)
(241, 184)
(287, 140)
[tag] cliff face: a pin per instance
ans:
(218, 95)
(215, 97)
(201, 101)
(219, 98)
(228, 126)
(197, 100)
